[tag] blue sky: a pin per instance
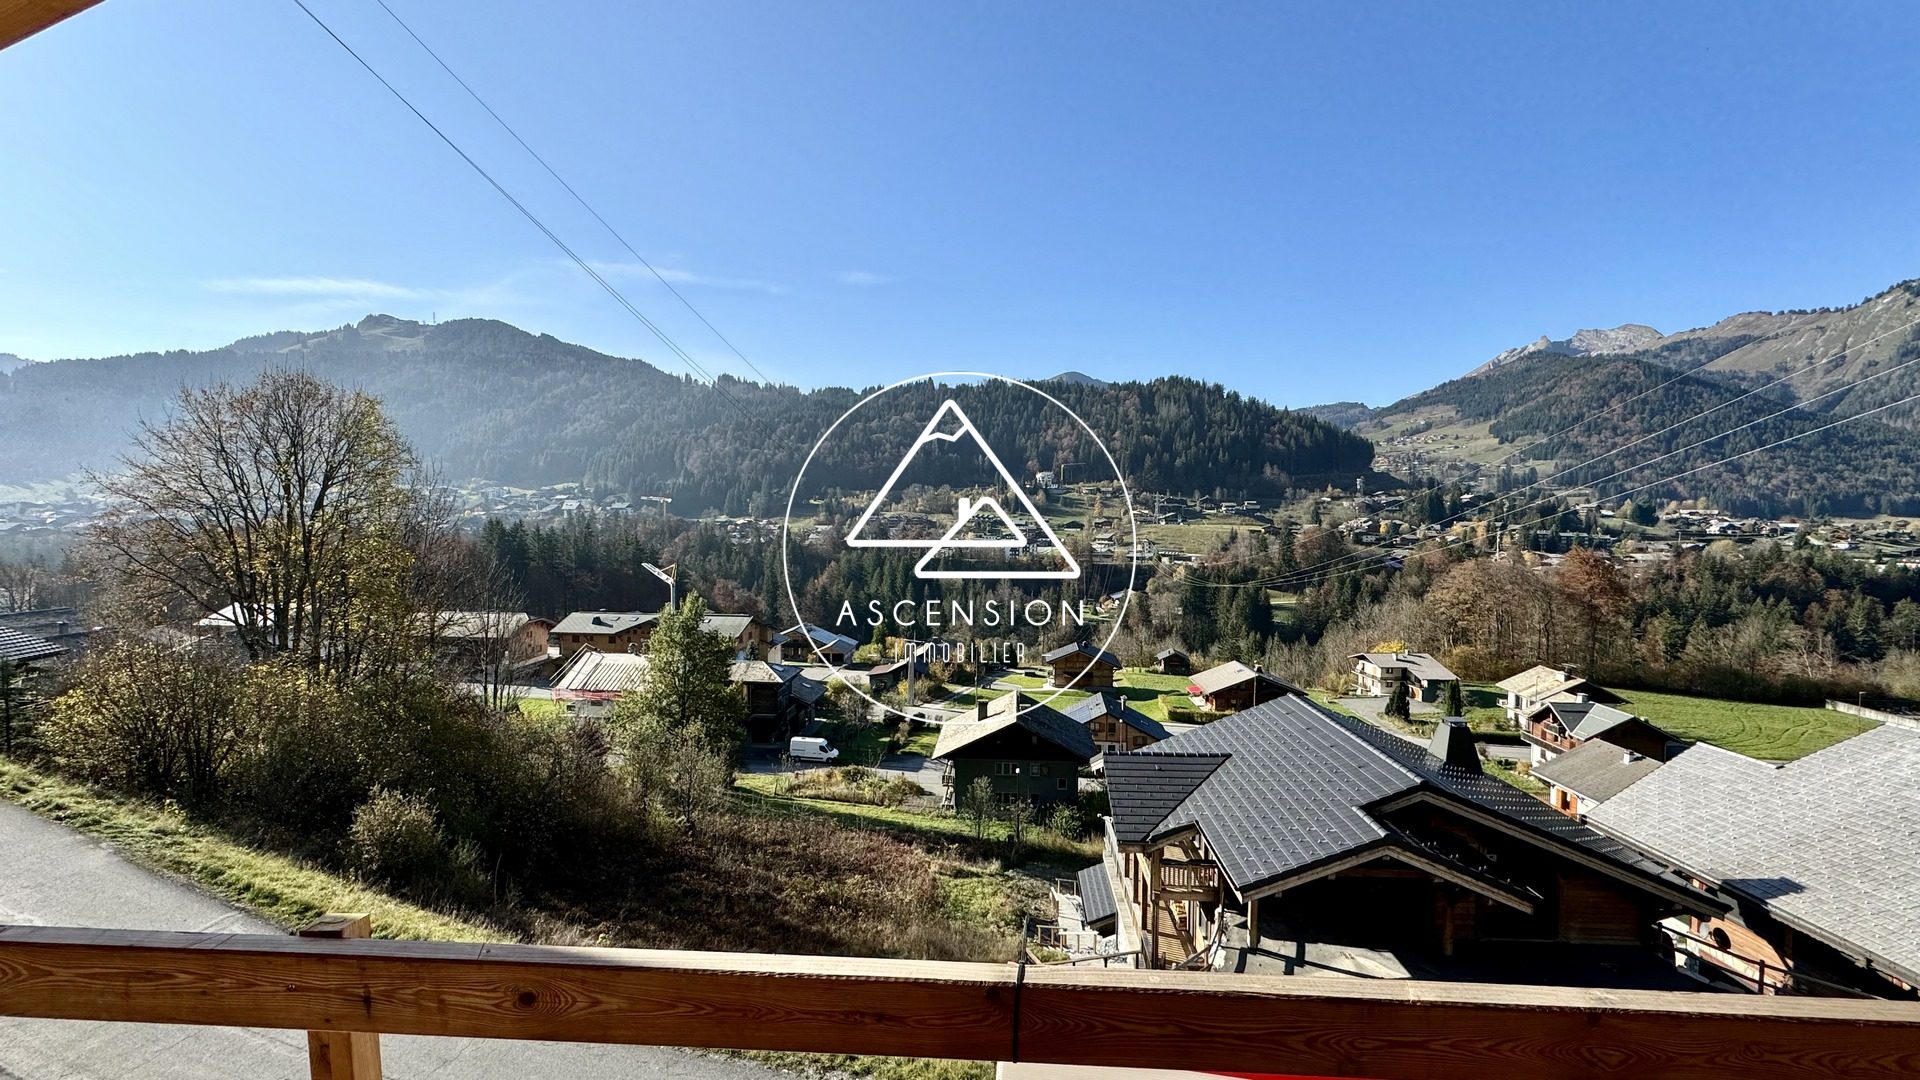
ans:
(1306, 202)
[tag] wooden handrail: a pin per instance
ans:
(21, 19)
(1387, 1030)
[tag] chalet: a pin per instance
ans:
(487, 638)
(1233, 686)
(604, 631)
(1289, 840)
(1115, 725)
(1082, 666)
(1540, 684)
(750, 636)
(19, 648)
(780, 698)
(1819, 859)
(1590, 774)
(1377, 673)
(62, 626)
(590, 682)
(1556, 727)
(1173, 662)
(894, 672)
(628, 631)
(1028, 750)
(808, 645)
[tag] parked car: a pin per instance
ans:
(804, 748)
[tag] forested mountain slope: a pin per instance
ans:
(1866, 466)
(485, 399)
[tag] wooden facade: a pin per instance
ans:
(1083, 670)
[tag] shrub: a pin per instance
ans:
(394, 840)
(1066, 820)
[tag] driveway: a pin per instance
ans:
(53, 876)
(916, 767)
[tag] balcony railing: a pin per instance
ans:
(346, 991)
(1196, 878)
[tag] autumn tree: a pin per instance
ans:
(289, 506)
(1596, 600)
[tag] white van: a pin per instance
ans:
(803, 748)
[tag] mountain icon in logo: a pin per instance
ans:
(973, 516)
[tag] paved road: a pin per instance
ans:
(51, 875)
(915, 767)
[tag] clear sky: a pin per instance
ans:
(1306, 202)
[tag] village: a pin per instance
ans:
(1405, 823)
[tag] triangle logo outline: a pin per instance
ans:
(1066, 573)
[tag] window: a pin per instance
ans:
(1060, 784)
(1004, 768)
(1039, 770)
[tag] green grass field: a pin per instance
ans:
(1147, 691)
(1769, 732)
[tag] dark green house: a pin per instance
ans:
(1027, 749)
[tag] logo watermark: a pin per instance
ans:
(956, 557)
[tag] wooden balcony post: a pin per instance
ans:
(342, 1055)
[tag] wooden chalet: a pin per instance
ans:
(1818, 860)
(1286, 839)
(1026, 749)
(1233, 686)
(1555, 727)
(808, 645)
(1115, 725)
(1081, 666)
(1173, 662)
(1540, 684)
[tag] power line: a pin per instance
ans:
(577, 197)
(1319, 575)
(518, 205)
(1364, 556)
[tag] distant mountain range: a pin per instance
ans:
(9, 363)
(1631, 337)
(1831, 363)
(487, 400)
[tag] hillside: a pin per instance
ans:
(485, 399)
(1866, 467)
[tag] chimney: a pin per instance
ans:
(1629, 757)
(1453, 744)
(980, 709)
(1582, 698)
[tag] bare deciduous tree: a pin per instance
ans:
(291, 506)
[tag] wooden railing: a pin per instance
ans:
(1201, 878)
(1388, 1030)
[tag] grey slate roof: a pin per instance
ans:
(1586, 719)
(20, 646)
(1232, 673)
(1018, 710)
(727, 626)
(603, 622)
(1096, 895)
(1143, 789)
(1829, 844)
(1093, 651)
(1107, 703)
(1423, 666)
(1298, 780)
(1596, 771)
